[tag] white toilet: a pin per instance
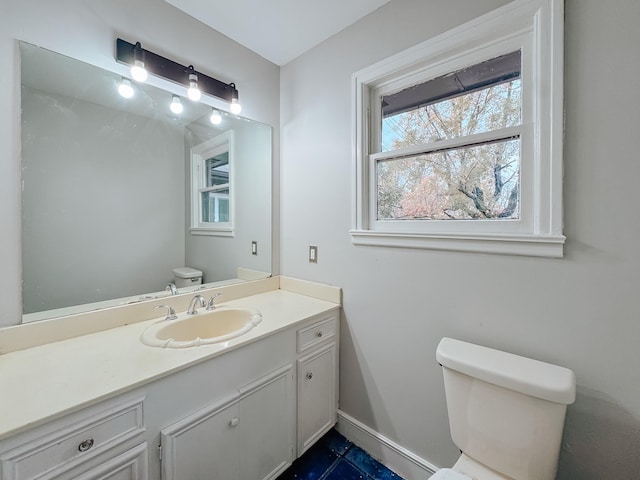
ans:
(506, 412)
(186, 277)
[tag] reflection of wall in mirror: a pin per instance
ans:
(112, 186)
(217, 256)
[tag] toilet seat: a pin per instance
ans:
(448, 474)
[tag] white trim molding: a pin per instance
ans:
(395, 457)
(536, 28)
(529, 245)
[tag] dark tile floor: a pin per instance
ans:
(334, 457)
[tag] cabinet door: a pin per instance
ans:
(267, 429)
(317, 400)
(204, 445)
(131, 465)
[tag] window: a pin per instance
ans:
(459, 139)
(211, 187)
(475, 175)
(214, 194)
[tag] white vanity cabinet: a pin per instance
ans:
(245, 413)
(317, 381)
(255, 431)
(103, 442)
(246, 436)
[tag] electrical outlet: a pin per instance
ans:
(313, 254)
(254, 248)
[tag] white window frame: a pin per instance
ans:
(535, 27)
(199, 155)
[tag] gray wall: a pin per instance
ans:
(86, 30)
(101, 212)
(582, 311)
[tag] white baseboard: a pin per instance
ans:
(402, 461)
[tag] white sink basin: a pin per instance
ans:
(203, 328)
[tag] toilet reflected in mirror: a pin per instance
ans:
(186, 277)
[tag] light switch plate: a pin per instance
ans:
(313, 254)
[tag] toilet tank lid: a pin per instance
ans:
(531, 377)
(186, 272)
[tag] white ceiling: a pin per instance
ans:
(278, 30)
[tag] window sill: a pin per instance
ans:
(526, 245)
(221, 232)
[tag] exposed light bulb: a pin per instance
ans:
(138, 72)
(235, 107)
(125, 89)
(176, 105)
(215, 117)
(193, 91)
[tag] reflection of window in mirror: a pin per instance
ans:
(214, 196)
(212, 186)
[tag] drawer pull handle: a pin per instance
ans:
(309, 375)
(234, 422)
(85, 445)
(319, 333)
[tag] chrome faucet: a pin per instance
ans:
(210, 304)
(194, 303)
(172, 288)
(171, 313)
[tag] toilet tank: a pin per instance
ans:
(186, 277)
(505, 411)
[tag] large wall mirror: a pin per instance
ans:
(107, 190)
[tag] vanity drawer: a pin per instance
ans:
(52, 454)
(316, 333)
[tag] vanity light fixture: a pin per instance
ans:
(193, 92)
(215, 117)
(125, 89)
(138, 72)
(235, 107)
(129, 53)
(176, 105)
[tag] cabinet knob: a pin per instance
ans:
(234, 422)
(319, 333)
(309, 375)
(85, 445)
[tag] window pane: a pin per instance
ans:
(217, 170)
(477, 182)
(215, 206)
(480, 98)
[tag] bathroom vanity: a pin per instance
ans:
(106, 406)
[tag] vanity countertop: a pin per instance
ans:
(48, 381)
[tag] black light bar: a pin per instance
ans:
(127, 53)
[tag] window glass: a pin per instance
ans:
(476, 99)
(215, 206)
(217, 170)
(476, 178)
(470, 183)
(215, 196)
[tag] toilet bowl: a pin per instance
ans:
(449, 474)
(472, 471)
(506, 412)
